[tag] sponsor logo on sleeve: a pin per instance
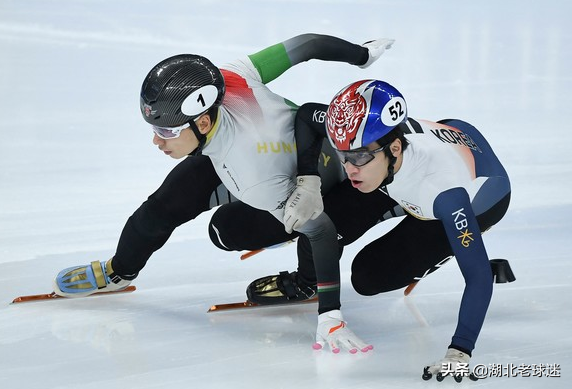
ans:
(319, 116)
(462, 225)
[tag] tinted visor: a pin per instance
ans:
(359, 157)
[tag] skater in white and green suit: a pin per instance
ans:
(239, 133)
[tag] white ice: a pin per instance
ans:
(76, 160)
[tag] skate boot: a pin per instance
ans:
(81, 281)
(279, 289)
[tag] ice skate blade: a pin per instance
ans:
(54, 296)
(250, 304)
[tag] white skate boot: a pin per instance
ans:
(81, 281)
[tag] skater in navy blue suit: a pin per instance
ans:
(445, 176)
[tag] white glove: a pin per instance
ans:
(304, 203)
(376, 49)
(332, 330)
(455, 363)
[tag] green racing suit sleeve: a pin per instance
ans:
(273, 61)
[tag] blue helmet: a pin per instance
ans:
(362, 113)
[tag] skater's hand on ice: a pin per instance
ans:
(304, 203)
(332, 329)
(455, 364)
(376, 48)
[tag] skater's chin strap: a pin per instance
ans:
(202, 138)
(390, 172)
(213, 113)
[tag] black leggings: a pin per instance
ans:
(237, 226)
(407, 253)
(410, 251)
(185, 194)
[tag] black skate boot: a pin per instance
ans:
(279, 289)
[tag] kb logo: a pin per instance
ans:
(319, 116)
(462, 224)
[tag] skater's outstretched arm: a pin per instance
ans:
(275, 60)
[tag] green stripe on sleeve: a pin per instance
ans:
(271, 62)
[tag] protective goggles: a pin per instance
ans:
(358, 157)
(169, 132)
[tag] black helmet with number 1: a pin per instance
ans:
(179, 89)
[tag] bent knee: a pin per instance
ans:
(362, 283)
(370, 281)
(367, 285)
(217, 237)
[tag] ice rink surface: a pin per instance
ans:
(76, 160)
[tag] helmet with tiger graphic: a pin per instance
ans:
(362, 113)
